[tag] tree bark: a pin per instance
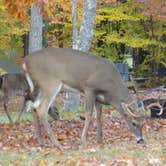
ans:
(87, 25)
(72, 99)
(35, 34)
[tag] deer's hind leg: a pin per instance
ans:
(90, 100)
(98, 107)
(48, 95)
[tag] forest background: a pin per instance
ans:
(132, 31)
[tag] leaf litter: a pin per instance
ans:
(118, 148)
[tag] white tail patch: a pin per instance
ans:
(24, 67)
(36, 103)
(30, 83)
(28, 78)
(55, 94)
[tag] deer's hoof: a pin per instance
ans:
(140, 141)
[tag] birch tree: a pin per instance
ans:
(82, 41)
(35, 34)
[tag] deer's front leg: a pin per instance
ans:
(98, 107)
(90, 99)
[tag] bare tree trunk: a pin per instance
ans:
(35, 34)
(72, 99)
(81, 42)
(75, 23)
(87, 25)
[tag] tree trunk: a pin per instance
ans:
(81, 42)
(72, 99)
(35, 34)
(87, 25)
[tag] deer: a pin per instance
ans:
(15, 84)
(64, 69)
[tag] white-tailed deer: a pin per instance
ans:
(15, 84)
(54, 69)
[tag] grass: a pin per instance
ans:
(119, 154)
(14, 115)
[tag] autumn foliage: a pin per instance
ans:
(19, 9)
(134, 27)
(155, 8)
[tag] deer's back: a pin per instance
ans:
(75, 68)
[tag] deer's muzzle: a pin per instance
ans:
(140, 140)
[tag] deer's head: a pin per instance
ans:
(134, 114)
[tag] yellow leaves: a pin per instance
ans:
(131, 41)
(71, 162)
(1, 73)
(4, 42)
(114, 14)
(10, 27)
(2, 8)
(43, 163)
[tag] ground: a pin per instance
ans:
(19, 146)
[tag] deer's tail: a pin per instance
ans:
(28, 78)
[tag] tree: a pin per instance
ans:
(11, 31)
(155, 8)
(72, 99)
(35, 34)
(83, 41)
(123, 30)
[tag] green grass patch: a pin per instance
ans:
(26, 116)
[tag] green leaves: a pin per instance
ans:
(124, 29)
(133, 41)
(115, 14)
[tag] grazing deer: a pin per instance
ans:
(57, 69)
(15, 84)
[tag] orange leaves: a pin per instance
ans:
(156, 8)
(49, 9)
(117, 150)
(19, 9)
